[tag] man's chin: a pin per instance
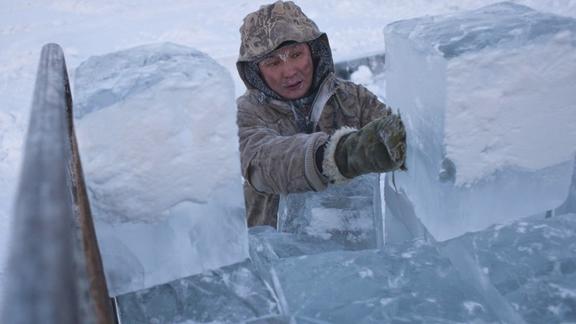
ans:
(296, 93)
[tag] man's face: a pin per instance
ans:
(289, 70)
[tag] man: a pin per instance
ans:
(298, 123)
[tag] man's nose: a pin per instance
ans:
(288, 70)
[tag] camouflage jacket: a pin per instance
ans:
(277, 159)
(277, 156)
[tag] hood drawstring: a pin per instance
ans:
(302, 110)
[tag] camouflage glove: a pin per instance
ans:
(380, 146)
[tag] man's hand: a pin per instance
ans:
(393, 134)
(380, 146)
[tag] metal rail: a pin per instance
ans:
(55, 272)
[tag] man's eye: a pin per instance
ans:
(271, 63)
(296, 54)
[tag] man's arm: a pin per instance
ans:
(273, 163)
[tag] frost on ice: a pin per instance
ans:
(488, 97)
(157, 135)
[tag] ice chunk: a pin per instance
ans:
(488, 98)
(407, 284)
(401, 222)
(268, 244)
(157, 136)
(232, 294)
(348, 215)
(532, 263)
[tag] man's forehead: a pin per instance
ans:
(284, 49)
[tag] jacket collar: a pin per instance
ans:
(323, 94)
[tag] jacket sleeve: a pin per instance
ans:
(273, 163)
(371, 107)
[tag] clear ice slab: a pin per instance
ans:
(347, 216)
(488, 99)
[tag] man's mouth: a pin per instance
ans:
(293, 86)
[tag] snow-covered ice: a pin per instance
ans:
(157, 137)
(489, 98)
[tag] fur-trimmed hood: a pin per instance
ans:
(268, 29)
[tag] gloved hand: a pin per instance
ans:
(379, 146)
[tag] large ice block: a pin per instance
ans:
(157, 135)
(489, 99)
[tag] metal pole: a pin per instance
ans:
(54, 269)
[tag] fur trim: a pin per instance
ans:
(329, 167)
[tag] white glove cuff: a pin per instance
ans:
(329, 167)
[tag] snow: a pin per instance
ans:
(85, 28)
